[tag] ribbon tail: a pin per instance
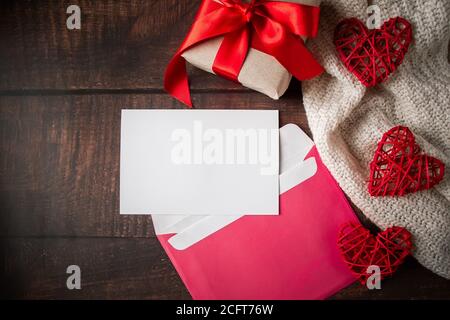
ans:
(298, 60)
(176, 80)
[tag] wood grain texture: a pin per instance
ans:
(410, 282)
(59, 169)
(61, 93)
(139, 269)
(110, 269)
(121, 45)
(59, 188)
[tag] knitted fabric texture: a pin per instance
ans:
(347, 119)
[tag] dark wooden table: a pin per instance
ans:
(61, 92)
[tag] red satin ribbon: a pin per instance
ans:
(272, 27)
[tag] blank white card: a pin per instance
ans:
(199, 162)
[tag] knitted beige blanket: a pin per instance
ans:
(347, 119)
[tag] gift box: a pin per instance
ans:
(258, 43)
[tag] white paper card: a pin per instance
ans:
(199, 162)
(294, 169)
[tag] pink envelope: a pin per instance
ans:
(290, 256)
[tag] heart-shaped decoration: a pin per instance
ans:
(372, 55)
(398, 166)
(361, 249)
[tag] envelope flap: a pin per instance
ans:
(294, 146)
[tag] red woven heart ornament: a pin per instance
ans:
(372, 55)
(361, 249)
(399, 167)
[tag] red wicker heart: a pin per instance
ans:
(398, 166)
(372, 55)
(361, 249)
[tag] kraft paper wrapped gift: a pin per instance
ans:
(260, 45)
(260, 71)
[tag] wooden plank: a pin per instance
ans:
(110, 269)
(59, 164)
(121, 45)
(410, 282)
(139, 269)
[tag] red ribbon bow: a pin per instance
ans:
(272, 27)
